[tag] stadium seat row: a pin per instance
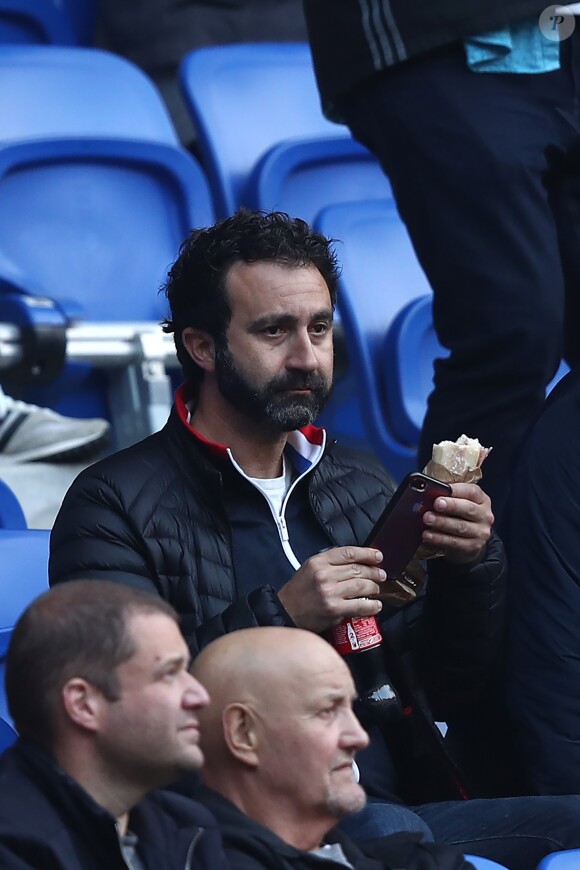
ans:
(96, 194)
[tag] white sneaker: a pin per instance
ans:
(28, 433)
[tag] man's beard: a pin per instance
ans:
(340, 804)
(268, 403)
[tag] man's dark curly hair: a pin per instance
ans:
(196, 285)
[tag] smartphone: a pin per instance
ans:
(397, 533)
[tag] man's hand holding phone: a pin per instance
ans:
(339, 582)
(460, 524)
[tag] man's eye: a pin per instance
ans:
(328, 712)
(320, 328)
(273, 330)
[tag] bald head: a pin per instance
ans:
(280, 735)
(260, 663)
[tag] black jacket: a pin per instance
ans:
(251, 846)
(48, 822)
(352, 40)
(153, 516)
(542, 534)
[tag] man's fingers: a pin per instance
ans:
(360, 607)
(457, 527)
(461, 515)
(353, 555)
(469, 492)
(357, 587)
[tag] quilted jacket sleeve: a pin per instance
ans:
(461, 635)
(94, 537)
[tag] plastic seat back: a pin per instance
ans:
(244, 99)
(52, 91)
(11, 513)
(35, 22)
(93, 224)
(7, 735)
(95, 192)
(96, 195)
(566, 860)
(484, 863)
(23, 576)
(380, 275)
(410, 349)
(302, 177)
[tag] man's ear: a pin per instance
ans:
(82, 703)
(200, 346)
(240, 733)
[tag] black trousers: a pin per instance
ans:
(485, 169)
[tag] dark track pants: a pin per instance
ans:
(486, 173)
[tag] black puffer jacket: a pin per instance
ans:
(153, 516)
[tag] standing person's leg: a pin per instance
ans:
(517, 832)
(465, 153)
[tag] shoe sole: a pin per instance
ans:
(64, 451)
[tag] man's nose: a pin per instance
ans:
(302, 355)
(195, 695)
(354, 735)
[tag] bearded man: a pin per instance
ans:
(241, 513)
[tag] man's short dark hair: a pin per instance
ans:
(196, 289)
(77, 629)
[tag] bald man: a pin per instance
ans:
(279, 741)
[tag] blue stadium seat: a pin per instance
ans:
(567, 860)
(11, 513)
(484, 863)
(96, 196)
(410, 349)
(23, 576)
(563, 369)
(51, 91)
(302, 177)
(380, 275)
(244, 99)
(35, 22)
(7, 735)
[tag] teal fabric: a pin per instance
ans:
(520, 47)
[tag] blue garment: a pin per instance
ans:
(517, 832)
(519, 47)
